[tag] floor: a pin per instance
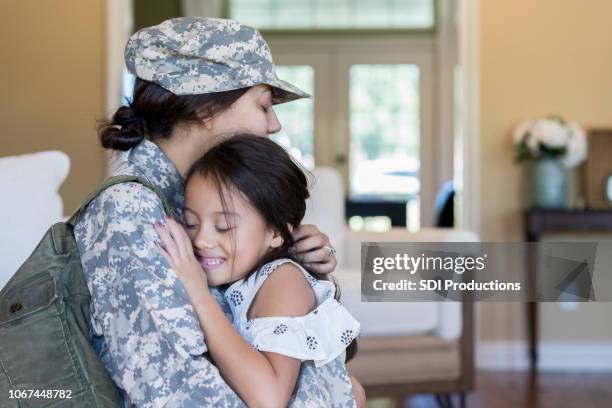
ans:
(521, 390)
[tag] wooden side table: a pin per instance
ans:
(539, 221)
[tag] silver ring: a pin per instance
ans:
(331, 249)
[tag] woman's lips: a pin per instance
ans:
(210, 262)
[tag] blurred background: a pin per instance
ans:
(414, 104)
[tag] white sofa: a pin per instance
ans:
(407, 347)
(30, 204)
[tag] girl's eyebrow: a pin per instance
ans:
(190, 210)
(230, 213)
(227, 213)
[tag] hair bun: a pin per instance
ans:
(124, 131)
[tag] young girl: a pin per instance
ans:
(243, 199)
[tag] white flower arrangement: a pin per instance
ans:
(551, 137)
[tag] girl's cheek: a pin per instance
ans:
(227, 242)
(191, 234)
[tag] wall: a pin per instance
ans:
(52, 80)
(153, 12)
(538, 57)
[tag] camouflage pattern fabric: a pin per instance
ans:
(143, 326)
(194, 55)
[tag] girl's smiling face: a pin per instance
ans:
(228, 240)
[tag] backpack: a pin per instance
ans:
(46, 357)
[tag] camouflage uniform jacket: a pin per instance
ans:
(143, 326)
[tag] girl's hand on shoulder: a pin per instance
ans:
(177, 250)
(313, 249)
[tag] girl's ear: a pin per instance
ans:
(277, 240)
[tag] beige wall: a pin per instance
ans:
(538, 57)
(52, 79)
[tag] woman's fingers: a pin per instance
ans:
(309, 242)
(304, 230)
(313, 249)
(322, 267)
(317, 255)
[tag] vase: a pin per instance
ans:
(549, 183)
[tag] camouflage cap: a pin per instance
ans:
(194, 55)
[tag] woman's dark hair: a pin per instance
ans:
(274, 184)
(154, 112)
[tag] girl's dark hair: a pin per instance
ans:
(265, 175)
(154, 112)
(274, 184)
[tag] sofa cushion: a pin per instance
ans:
(385, 318)
(405, 359)
(30, 204)
(325, 207)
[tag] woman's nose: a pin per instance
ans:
(274, 125)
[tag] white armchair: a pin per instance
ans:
(30, 204)
(408, 347)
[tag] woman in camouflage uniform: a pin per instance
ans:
(198, 80)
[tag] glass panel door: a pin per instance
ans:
(388, 156)
(371, 119)
(384, 132)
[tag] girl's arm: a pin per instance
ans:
(358, 392)
(260, 378)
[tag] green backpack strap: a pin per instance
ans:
(111, 181)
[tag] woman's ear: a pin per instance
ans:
(207, 123)
(205, 119)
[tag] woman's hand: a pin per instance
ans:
(313, 249)
(178, 252)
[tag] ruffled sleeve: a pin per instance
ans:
(321, 335)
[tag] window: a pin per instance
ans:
(384, 132)
(334, 15)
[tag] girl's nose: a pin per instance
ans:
(205, 242)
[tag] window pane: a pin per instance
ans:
(297, 117)
(336, 14)
(384, 132)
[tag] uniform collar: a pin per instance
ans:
(150, 161)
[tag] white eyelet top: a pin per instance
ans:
(321, 335)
